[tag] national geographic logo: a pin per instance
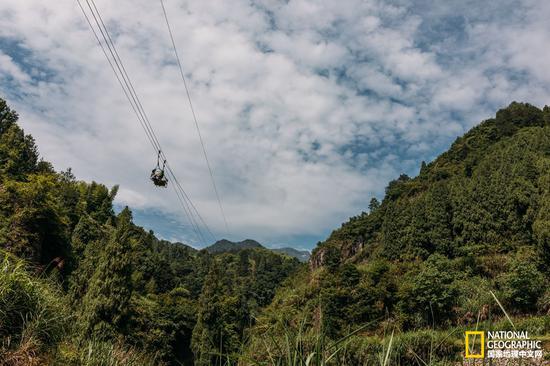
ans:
(470, 342)
(502, 344)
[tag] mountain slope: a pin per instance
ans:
(429, 257)
(423, 264)
(484, 195)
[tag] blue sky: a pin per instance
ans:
(308, 108)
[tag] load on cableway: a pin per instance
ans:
(157, 174)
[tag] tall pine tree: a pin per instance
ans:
(106, 304)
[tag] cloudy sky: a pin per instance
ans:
(307, 107)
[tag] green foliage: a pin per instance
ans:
(33, 316)
(162, 325)
(374, 204)
(234, 289)
(429, 296)
(541, 225)
(97, 201)
(18, 153)
(474, 297)
(285, 343)
(523, 284)
(442, 240)
(487, 194)
(122, 287)
(100, 353)
(33, 220)
(516, 116)
(356, 295)
(105, 306)
(226, 246)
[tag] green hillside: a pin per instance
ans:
(487, 195)
(423, 262)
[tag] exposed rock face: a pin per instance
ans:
(343, 251)
(317, 259)
(349, 251)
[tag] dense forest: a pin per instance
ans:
(465, 244)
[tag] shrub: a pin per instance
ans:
(429, 296)
(474, 297)
(523, 284)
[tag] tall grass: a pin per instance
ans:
(35, 326)
(297, 339)
(33, 316)
(101, 353)
(287, 343)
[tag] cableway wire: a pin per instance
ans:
(189, 208)
(133, 99)
(184, 199)
(142, 116)
(194, 116)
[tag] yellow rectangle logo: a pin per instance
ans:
(474, 335)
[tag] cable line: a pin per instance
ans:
(125, 82)
(190, 206)
(194, 116)
(117, 76)
(175, 179)
(122, 69)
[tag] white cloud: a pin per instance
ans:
(9, 69)
(308, 108)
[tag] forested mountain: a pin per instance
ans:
(81, 285)
(226, 246)
(487, 195)
(432, 257)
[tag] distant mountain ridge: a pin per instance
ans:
(227, 246)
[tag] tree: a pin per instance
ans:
(429, 296)
(18, 152)
(209, 335)
(97, 201)
(88, 241)
(106, 304)
(374, 204)
(523, 284)
(33, 221)
(541, 226)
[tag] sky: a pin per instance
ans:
(308, 108)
